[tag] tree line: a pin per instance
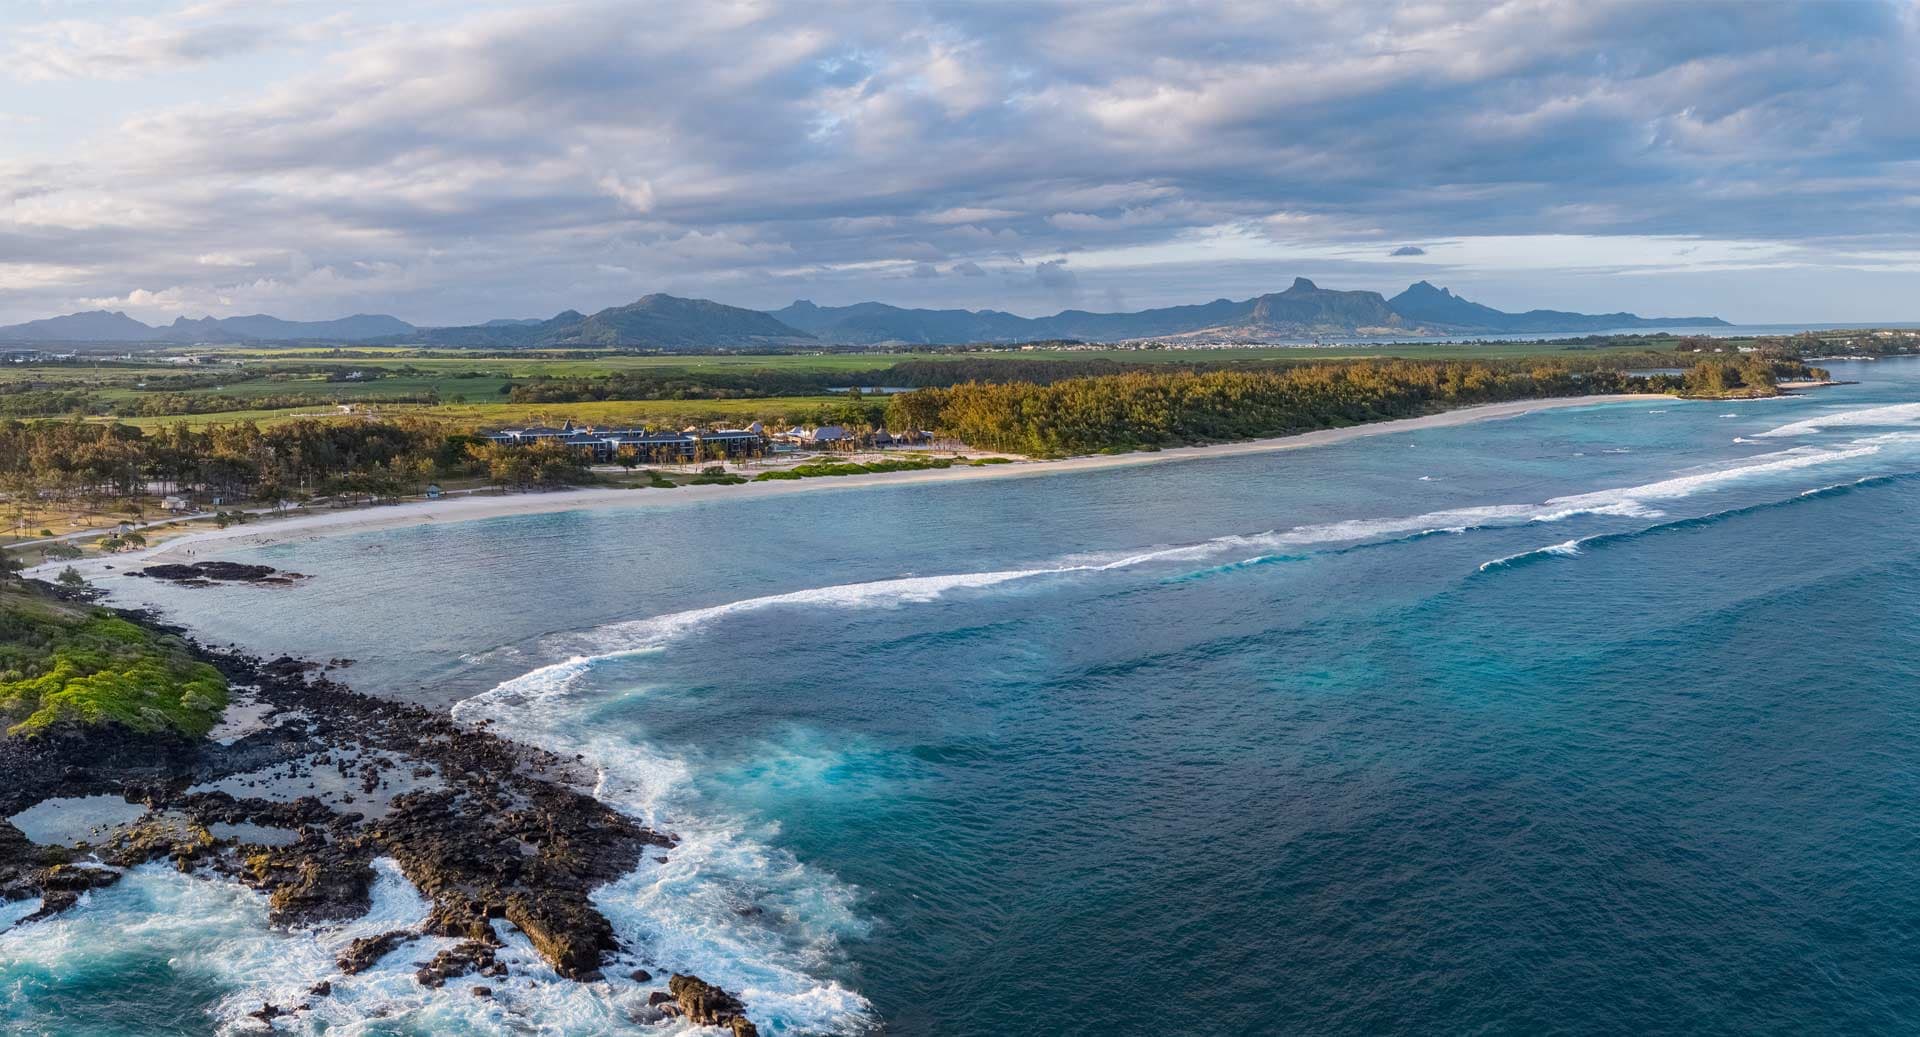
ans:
(88, 461)
(1148, 409)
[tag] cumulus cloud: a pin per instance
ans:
(452, 166)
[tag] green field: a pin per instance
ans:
(658, 413)
(468, 386)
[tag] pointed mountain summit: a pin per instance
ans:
(1306, 306)
(1424, 303)
(1304, 311)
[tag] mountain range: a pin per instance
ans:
(114, 326)
(672, 323)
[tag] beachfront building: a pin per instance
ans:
(646, 446)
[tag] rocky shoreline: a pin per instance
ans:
(487, 829)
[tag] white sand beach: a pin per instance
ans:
(200, 546)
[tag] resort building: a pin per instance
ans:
(658, 446)
(648, 446)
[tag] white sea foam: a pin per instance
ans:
(637, 637)
(215, 934)
(1565, 549)
(691, 914)
(687, 914)
(1892, 414)
(13, 911)
(1689, 484)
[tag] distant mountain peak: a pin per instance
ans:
(1441, 309)
(661, 321)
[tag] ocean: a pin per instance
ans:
(1594, 720)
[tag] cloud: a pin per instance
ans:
(1053, 276)
(131, 47)
(452, 165)
(636, 194)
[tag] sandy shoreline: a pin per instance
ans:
(194, 546)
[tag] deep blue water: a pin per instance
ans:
(1595, 720)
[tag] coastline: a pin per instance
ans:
(477, 507)
(306, 796)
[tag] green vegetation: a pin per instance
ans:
(819, 469)
(62, 663)
(405, 430)
(1147, 409)
(86, 462)
(1745, 377)
(469, 389)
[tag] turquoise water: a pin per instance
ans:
(1592, 720)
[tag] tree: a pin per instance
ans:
(71, 578)
(62, 552)
(10, 567)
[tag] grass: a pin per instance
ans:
(671, 413)
(468, 386)
(65, 663)
(825, 469)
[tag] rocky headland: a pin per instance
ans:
(304, 784)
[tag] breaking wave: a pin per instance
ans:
(734, 908)
(1864, 417)
(1575, 547)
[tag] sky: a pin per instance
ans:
(453, 162)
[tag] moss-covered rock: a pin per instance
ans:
(60, 664)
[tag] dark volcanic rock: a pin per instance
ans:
(71, 759)
(367, 951)
(202, 573)
(62, 884)
(457, 961)
(490, 832)
(312, 883)
(708, 1005)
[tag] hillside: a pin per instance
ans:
(92, 326)
(658, 321)
(105, 326)
(654, 321)
(1425, 303)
